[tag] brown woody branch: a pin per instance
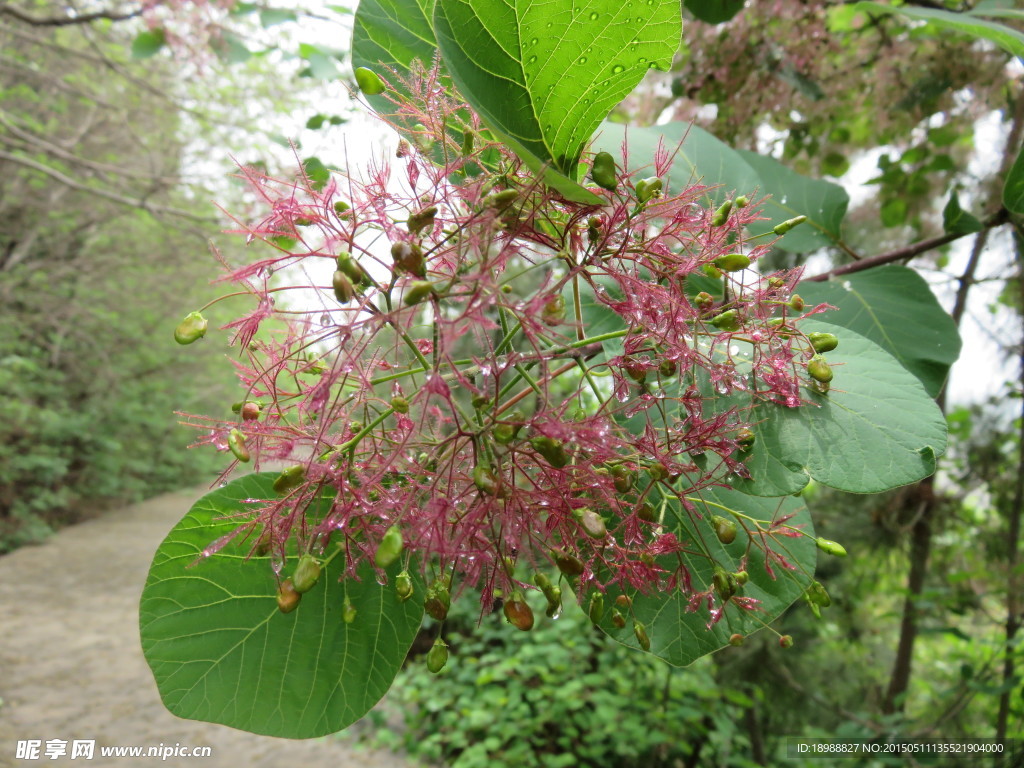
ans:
(66, 21)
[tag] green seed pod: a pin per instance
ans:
(348, 611)
(368, 81)
(725, 584)
(468, 138)
(485, 480)
(646, 189)
(732, 262)
(399, 404)
(500, 201)
(722, 214)
(640, 632)
(390, 547)
(552, 450)
(403, 586)
(307, 573)
(596, 610)
(727, 321)
(622, 478)
(554, 598)
(570, 565)
(741, 201)
(438, 601)
(618, 620)
(645, 512)
(776, 282)
(192, 328)
(667, 368)
(823, 342)
(351, 268)
(518, 613)
(636, 370)
(408, 257)
(236, 442)
(830, 547)
(786, 641)
(712, 271)
(437, 656)
(704, 301)
(417, 291)
(504, 433)
(591, 523)
(819, 369)
(603, 171)
(784, 227)
(624, 602)
(745, 438)
(725, 529)
(422, 219)
(290, 479)
(553, 311)
(341, 207)
(737, 639)
(742, 577)
(343, 289)
(817, 594)
(303, 221)
(250, 411)
(657, 471)
(287, 597)
(796, 303)
(593, 229)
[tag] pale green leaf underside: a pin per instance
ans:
(875, 430)
(392, 33)
(893, 307)
(545, 73)
(680, 636)
(222, 652)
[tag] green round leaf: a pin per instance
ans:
(221, 651)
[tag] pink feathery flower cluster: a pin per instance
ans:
(491, 379)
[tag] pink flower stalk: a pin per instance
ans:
(510, 378)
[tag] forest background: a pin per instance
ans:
(120, 123)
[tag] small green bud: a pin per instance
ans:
(603, 171)
(417, 291)
(725, 584)
(745, 438)
(819, 369)
(554, 597)
(624, 602)
(596, 610)
(236, 442)
(741, 201)
(636, 370)
(518, 613)
(645, 512)
(667, 368)
(725, 529)
(722, 214)
(408, 257)
(307, 573)
(553, 311)
(704, 301)
(618, 620)
(250, 411)
(646, 189)
(796, 303)
(422, 219)
(341, 207)
(732, 262)
(817, 595)
(403, 586)
(742, 577)
(287, 597)
(736, 639)
(591, 523)
(504, 433)
(622, 478)
(552, 450)
(570, 565)
(192, 328)
(784, 227)
(727, 321)
(500, 201)
(823, 342)
(786, 641)
(348, 611)
(390, 547)
(368, 81)
(657, 471)
(343, 289)
(438, 601)
(712, 271)
(290, 479)
(830, 547)
(399, 404)
(640, 632)
(351, 268)
(468, 138)
(437, 656)
(485, 480)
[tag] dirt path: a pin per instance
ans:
(71, 666)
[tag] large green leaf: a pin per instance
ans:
(679, 635)
(221, 651)
(876, 429)
(392, 33)
(1005, 37)
(700, 158)
(893, 307)
(822, 202)
(714, 11)
(544, 75)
